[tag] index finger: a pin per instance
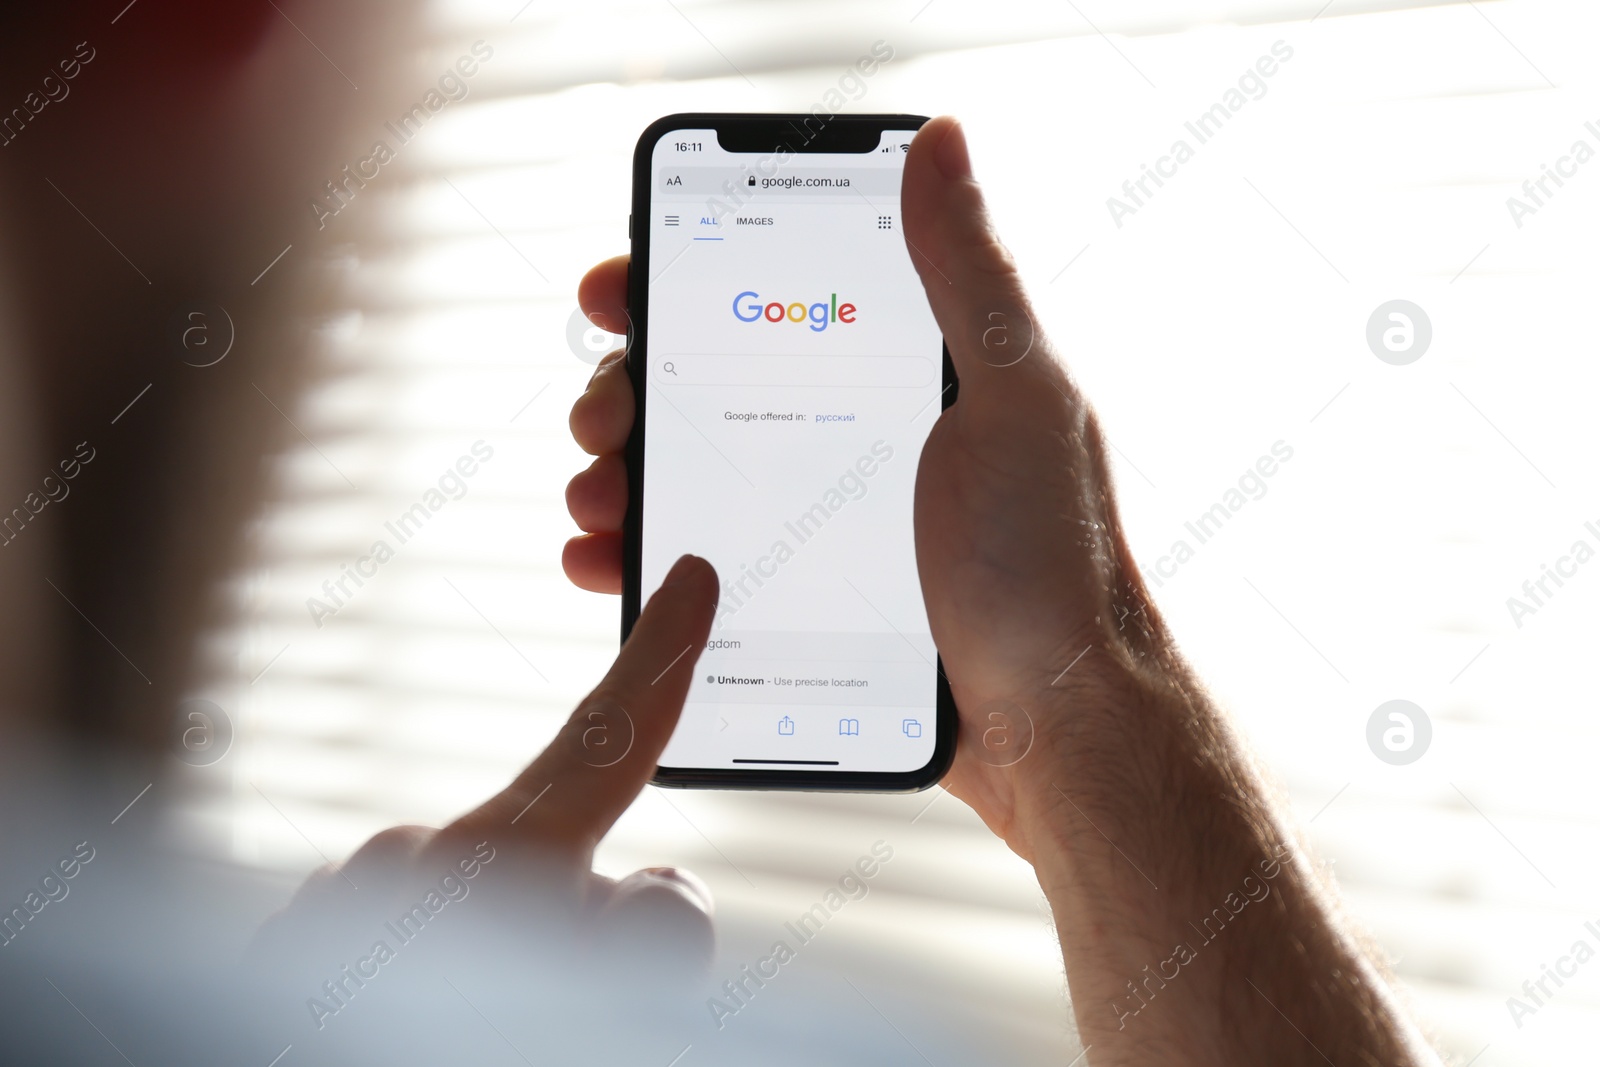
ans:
(606, 753)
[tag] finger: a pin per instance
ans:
(334, 893)
(602, 416)
(656, 920)
(594, 562)
(603, 294)
(382, 862)
(387, 856)
(569, 797)
(970, 279)
(597, 498)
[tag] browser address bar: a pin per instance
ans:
(796, 371)
(783, 183)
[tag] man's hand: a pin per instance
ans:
(511, 881)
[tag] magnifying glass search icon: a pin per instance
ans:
(669, 368)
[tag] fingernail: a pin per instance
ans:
(951, 153)
(679, 570)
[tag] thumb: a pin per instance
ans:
(971, 280)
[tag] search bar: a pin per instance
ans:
(798, 371)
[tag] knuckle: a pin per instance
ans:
(988, 256)
(391, 847)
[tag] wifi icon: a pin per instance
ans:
(905, 148)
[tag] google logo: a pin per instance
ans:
(818, 314)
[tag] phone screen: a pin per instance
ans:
(793, 373)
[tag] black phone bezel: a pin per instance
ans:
(798, 133)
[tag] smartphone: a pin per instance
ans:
(787, 370)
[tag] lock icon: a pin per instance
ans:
(752, 181)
